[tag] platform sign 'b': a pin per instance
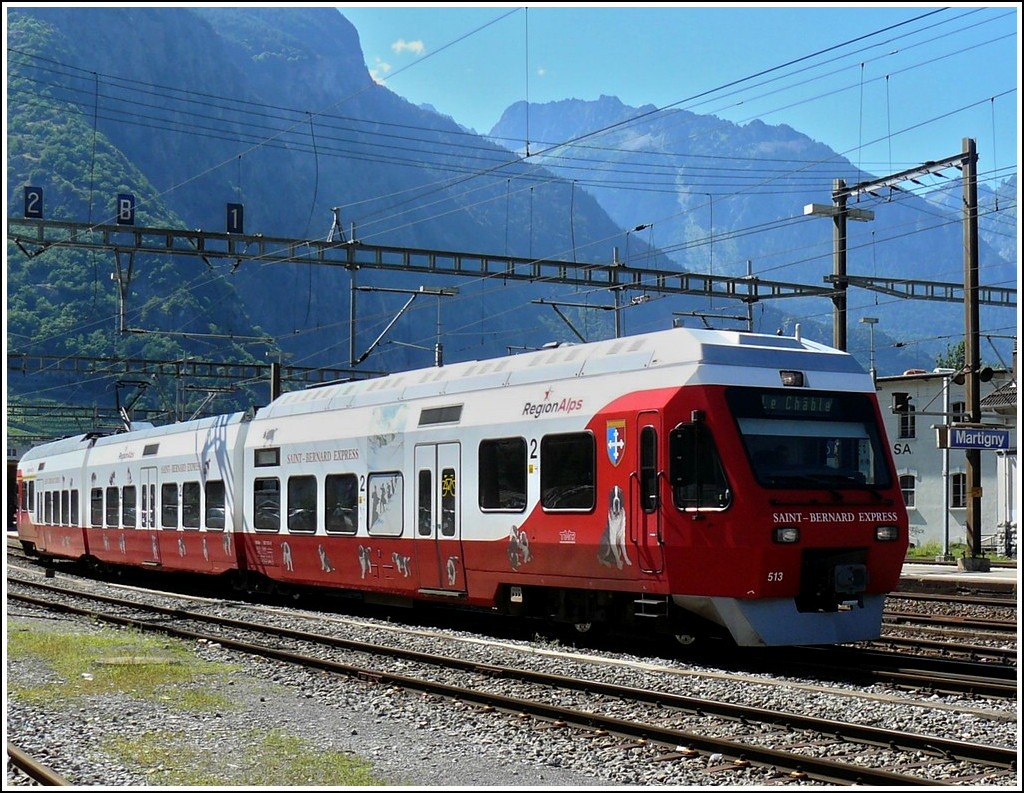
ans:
(125, 209)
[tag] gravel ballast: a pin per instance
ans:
(418, 740)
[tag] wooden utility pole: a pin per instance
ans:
(972, 351)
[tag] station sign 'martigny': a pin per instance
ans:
(973, 438)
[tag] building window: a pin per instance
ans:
(958, 412)
(958, 491)
(908, 484)
(908, 423)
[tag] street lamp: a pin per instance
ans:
(871, 322)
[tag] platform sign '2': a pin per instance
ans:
(34, 202)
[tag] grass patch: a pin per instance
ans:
(146, 666)
(109, 661)
(273, 759)
(931, 550)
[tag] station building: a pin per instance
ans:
(933, 478)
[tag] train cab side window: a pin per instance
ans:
(169, 505)
(190, 505)
(128, 507)
(266, 504)
(302, 504)
(567, 471)
(695, 469)
(96, 507)
(341, 503)
(215, 513)
(502, 474)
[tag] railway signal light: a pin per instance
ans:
(900, 402)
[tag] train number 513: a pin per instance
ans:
(775, 575)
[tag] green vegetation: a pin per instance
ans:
(150, 667)
(87, 664)
(269, 759)
(930, 550)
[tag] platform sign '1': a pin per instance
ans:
(235, 221)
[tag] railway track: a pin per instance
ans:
(28, 767)
(518, 691)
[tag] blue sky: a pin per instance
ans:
(866, 80)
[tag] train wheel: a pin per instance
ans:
(583, 628)
(686, 639)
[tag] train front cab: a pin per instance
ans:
(49, 518)
(788, 523)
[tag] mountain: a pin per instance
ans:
(191, 108)
(723, 197)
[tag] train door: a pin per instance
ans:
(147, 515)
(645, 501)
(438, 546)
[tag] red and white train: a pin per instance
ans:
(694, 482)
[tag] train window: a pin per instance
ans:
(48, 507)
(567, 465)
(811, 440)
(65, 508)
(695, 468)
(32, 497)
(215, 507)
(264, 458)
(502, 474)
(341, 503)
(128, 506)
(302, 504)
(649, 469)
(449, 414)
(169, 505)
(425, 503)
(149, 509)
(96, 507)
(150, 449)
(190, 505)
(74, 508)
(266, 504)
(113, 511)
(448, 484)
(384, 502)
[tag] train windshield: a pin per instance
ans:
(810, 439)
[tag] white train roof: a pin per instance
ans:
(678, 347)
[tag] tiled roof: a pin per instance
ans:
(1004, 396)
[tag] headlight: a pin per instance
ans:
(887, 533)
(786, 534)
